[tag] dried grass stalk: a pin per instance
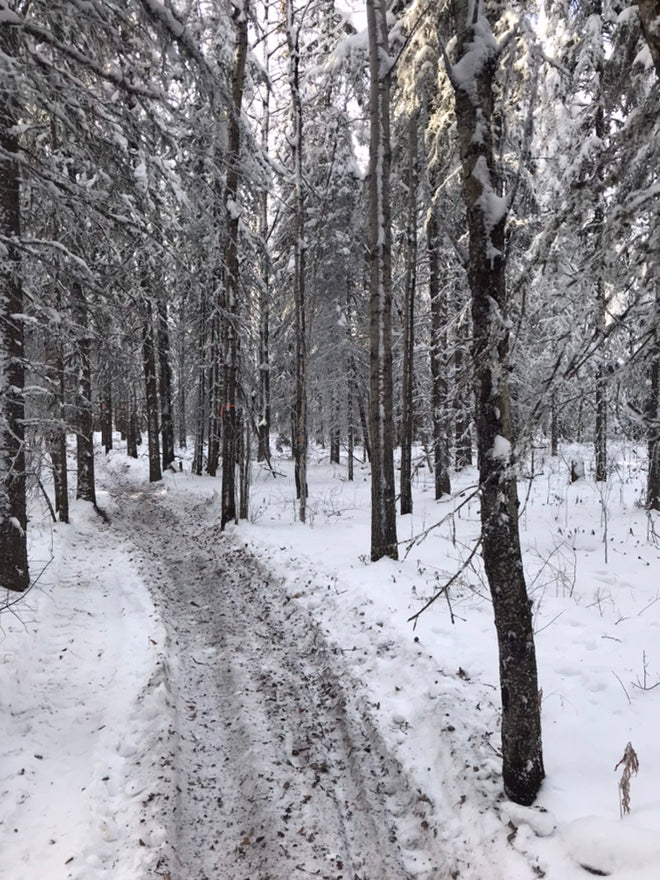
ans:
(630, 763)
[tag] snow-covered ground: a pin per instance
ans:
(110, 735)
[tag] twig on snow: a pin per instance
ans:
(623, 686)
(444, 589)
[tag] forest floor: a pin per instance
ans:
(181, 703)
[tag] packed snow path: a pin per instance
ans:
(278, 769)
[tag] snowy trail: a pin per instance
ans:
(281, 772)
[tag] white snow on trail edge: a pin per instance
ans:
(83, 702)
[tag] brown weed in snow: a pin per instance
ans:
(630, 763)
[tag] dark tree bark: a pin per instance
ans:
(335, 427)
(351, 390)
(554, 426)
(364, 425)
(263, 453)
(381, 426)
(299, 445)
(60, 476)
(56, 434)
(151, 392)
(462, 399)
(350, 428)
(165, 386)
(244, 468)
(263, 425)
(473, 82)
(215, 390)
(412, 180)
(182, 361)
(594, 235)
(202, 397)
(600, 435)
(132, 427)
(439, 390)
(13, 516)
(653, 408)
(86, 485)
(230, 424)
(106, 417)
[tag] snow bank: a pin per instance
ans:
(81, 703)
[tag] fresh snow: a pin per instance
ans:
(501, 448)
(176, 702)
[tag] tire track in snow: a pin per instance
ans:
(281, 772)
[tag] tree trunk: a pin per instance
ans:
(653, 408)
(554, 427)
(165, 386)
(263, 426)
(350, 429)
(132, 425)
(600, 436)
(106, 417)
(439, 393)
(412, 173)
(60, 476)
(351, 391)
(600, 130)
(13, 515)
(244, 468)
(486, 217)
(56, 433)
(201, 402)
(215, 391)
(181, 388)
(263, 453)
(364, 425)
(462, 399)
(230, 426)
(151, 392)
(381, 426)
(335, 429)
(300, 409)
(86, 486)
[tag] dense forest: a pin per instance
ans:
(235, 225)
